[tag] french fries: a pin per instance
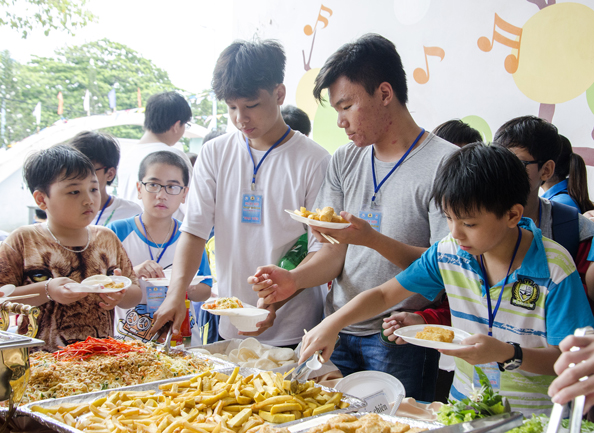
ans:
(210, 402)
(327, 214)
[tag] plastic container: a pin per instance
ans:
(295, 255)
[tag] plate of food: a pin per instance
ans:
(100, 284)
(243, 316)
(433, 336)
(326, 218)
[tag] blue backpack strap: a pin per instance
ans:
(566, 229)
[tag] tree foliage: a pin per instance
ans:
(26, 15)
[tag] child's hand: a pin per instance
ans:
(397, 320)
(485, 349)
(149, 269)
(111, 300)
(61, 294)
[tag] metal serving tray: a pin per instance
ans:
(354, 402)
(303, 425)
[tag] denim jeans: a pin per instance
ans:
(416, 367)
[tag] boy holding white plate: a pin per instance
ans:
(534, 297)
(43, 259)
(150, 239)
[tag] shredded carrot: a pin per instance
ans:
(95, 346)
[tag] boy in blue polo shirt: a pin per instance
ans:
(483, 190)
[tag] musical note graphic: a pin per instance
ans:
(308, 30)
(511, 62)
(419, 74)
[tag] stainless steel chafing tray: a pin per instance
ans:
(303, 425)
(354, 402)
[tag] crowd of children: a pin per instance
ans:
(443, 229)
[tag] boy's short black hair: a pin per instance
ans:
(99, 147)
(457, 132)
(163, 110)
(369, 61)
(244, 68)
(296, 118)
(57, 163)
(164, 157)
(537, 136)
(480, 177)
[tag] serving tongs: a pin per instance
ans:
(168, 327)
(314, 362)
(577, 407)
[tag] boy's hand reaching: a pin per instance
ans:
(61, 294)
(359, 232)
(149, 269)
(397, 320)
(273, 284)
(322, 337)
(484, 350)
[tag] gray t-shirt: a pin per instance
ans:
(407, 216)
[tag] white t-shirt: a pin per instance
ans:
(130, 161)
(119, 209)
(135, 323)
(289, 177)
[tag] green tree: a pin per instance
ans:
(26, 15)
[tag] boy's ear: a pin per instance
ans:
(386, 92)
(185, 194)
(139, 189)
(40, 198)
(515, 215)
(111, 173)
(547, 170)
(281, 93)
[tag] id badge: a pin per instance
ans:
(373, 216)
(493, 373)
(251, 207)
(155, 295)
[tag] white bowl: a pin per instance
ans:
(247, 321)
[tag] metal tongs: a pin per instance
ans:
(577, 407)
(167, 345)
(314, 362)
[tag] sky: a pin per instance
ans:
(183, 37)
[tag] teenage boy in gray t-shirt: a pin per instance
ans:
(383, 180)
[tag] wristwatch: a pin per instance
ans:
(515, 361)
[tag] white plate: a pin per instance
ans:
(7, 290)
(408, 334)
(83, 288)
(315, 223)
(246, 311)
(165, 281)
(365, 383)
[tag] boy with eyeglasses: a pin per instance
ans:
(150, 239)
(537, 144)
(104, 152)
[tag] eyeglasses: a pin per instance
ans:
(100, 168)
(527, 163)
(169, 189)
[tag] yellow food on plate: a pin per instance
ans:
(435, 333)
(211, 402)
(327, 215)
(114, 285)
(224, 304)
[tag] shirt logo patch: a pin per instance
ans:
(525, 293)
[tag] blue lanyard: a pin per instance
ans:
(103, 210)
(168, 242)
(375, 185)
(257, 167)
(492, 313)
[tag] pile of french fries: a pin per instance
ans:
(210, 402)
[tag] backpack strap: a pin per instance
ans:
(566, 230)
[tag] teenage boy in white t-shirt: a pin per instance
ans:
(242, 183)
(104, 152)
(150, 240)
